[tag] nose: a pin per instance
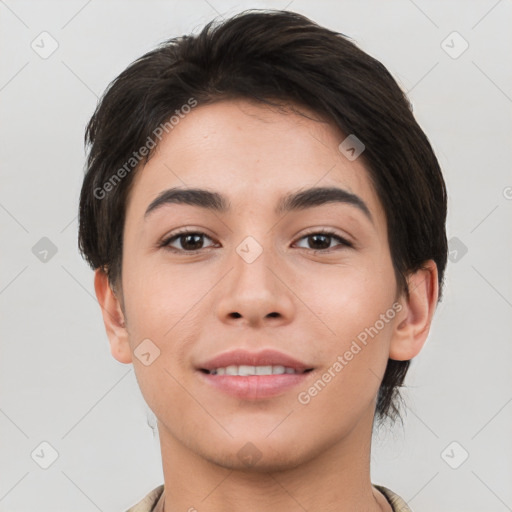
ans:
(256, 292)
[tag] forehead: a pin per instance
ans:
(252, 154)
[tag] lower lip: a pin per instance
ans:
(255, 387)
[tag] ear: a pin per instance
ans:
(113, 318)
(413, 323)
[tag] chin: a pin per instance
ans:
(257, 454)
(265, 461)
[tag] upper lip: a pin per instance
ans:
(266, 357)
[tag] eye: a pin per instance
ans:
(321, 240)
(193, 241)
(190, 241)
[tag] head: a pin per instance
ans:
(262, 106)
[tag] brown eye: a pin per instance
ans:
(321, 241)
(189, 241)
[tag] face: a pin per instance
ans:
(307, 283)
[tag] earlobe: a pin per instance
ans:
(413, 324)
(113, 318)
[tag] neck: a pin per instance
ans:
(334, 479)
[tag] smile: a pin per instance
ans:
(247, 370)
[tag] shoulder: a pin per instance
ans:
(398, 503)
(147, 504)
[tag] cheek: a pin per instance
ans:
(346, 299)
(162, 306)
(353, 359)
(158, 298)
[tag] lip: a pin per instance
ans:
(268, 357)
(254, 387)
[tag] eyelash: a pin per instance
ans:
(327, 232)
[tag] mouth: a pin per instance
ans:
(247, 370)
(254, 376)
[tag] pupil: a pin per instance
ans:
(316, 237)
(196, 245)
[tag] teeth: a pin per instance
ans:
(245, 370)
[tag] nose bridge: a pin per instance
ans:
(255, 290)
(253, 260)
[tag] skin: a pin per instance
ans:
(314, 457)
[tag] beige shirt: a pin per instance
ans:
(154, 501)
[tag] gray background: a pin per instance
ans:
(58, 382)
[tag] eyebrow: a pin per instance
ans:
(295, 201)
